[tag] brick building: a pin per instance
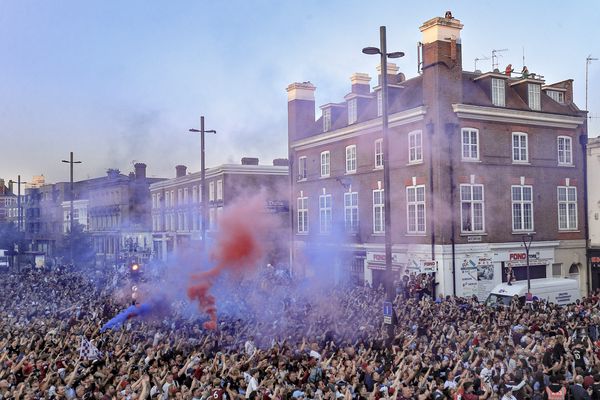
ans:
(8, 203)
(477, 161)
(177, 202)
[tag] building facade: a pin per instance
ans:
(8, 203)
(177, 203)
(593, 177)
(479, 163)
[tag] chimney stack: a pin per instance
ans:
(301, 110)
(10, 187)
(441, 42)
(2, 187)
(180, 170)
(140, 170)
(392, 73)
(360, 83)
(281, 162)
(249, 161)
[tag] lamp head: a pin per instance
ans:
(371, 50)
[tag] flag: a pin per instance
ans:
(88, 351)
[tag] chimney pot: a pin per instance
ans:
(281, 162)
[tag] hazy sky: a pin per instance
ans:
(123, 81)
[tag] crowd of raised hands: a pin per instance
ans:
(327, 343)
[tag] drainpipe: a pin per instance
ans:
(450, 127)
(431, 197)
(583, 141)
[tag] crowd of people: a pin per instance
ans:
(288, 341)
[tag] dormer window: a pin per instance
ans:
(557, 96)
(498, 92)
(352, 112)
(533, 91)
(326, 119)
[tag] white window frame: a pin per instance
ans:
(565, 154)
(325, 164)
(518, 149)
(302, 168)
(352, 111)
(498, 92)
(418, 209)
(556, 95)
(534, 96)
(326, 119)
(469, 150)
(325, 216)
(351, 215)
(415, 147)
(351, 159)
(211, 191)
(378, 211)
(521, 203)
(472, 202)
(220, 189)
(569, 201)
(302, 208)
(379, 153)
(379, 103)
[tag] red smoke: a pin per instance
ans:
(241, 243)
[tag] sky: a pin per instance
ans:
(119, 82)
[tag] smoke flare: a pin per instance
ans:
(241, 243)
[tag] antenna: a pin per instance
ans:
(588, 61)
(523, 56)
(495, 56)
(482, 58)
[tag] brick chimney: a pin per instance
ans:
(392, 73)
(442, 66)
(301, 110)
(441, 42)
(281, 162)
(2, 187)
(10, 187)
(180, 170)
(360, 83)
(140, 170)
(249, 161)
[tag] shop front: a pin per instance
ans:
(594, 257)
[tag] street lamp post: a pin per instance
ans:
(204, 195)
(382, 51)
(71, 162)
(527, 243)
(19, 210)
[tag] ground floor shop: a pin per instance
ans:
(463, 270)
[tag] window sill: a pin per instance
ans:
(473, 234)
(380, 168)
(521, 162)
(301, 233)
(302, 180)
(470, 160)
(414, 234)
(350, 172)
(566, 165)
(324, 176)
(414, 162)
(378, 234)
(523, 233)
(569, 231)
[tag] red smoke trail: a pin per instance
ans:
(242, 242)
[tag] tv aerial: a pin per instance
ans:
(495, 56)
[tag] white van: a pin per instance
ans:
(561, 291)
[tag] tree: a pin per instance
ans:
(83, 247)
(9, 236)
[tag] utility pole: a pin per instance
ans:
(204, 194)
(588, 61)
(71, 162)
